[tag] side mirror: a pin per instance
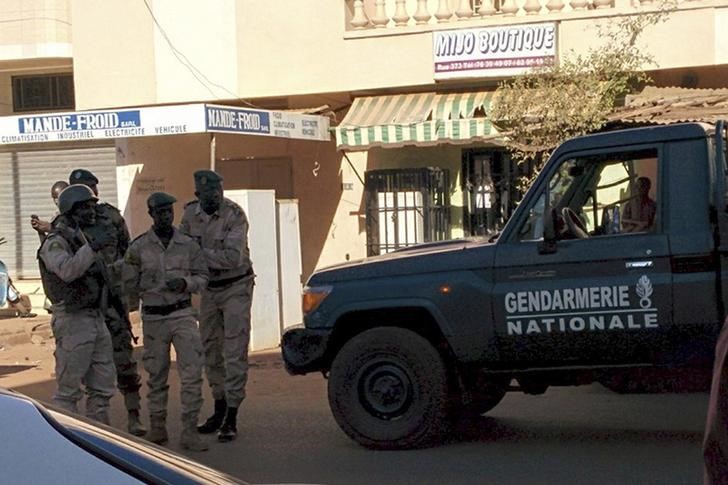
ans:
(548, 245)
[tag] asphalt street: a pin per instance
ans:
(574, 435)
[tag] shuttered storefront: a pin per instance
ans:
(26, 177)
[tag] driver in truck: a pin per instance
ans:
(639, 212)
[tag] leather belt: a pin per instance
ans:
(228, 281)
(166, 309)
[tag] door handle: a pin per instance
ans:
(638, 264)
(532, 274)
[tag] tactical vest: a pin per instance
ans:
(84, 292)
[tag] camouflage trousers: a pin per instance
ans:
(83, 357)
(159, 336)
(225, 332)
(127, 375)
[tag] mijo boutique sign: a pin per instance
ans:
(493, 51)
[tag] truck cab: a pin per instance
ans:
(610, 270)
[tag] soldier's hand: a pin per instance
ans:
(178, 285)
(40, 225)
(102, 241)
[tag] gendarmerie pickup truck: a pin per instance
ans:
(611, 270)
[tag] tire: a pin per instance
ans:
(388, 390)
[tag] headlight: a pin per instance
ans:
(313, 297)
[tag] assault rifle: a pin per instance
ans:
(114, 299)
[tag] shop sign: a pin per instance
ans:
(493, 51)
(100, 125)
(268, 123)
(158, 121)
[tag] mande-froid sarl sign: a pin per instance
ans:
(282, 124)
(493, 51)
(159, 121)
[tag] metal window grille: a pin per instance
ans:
(489, 190)
(46, 92)
(406, 207)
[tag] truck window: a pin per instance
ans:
(603, 195)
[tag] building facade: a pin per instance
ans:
(406, 86)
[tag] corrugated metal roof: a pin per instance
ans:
(673, 105)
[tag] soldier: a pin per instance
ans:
(110, 220)
(221, 228)
(69, 271)
(41, 226)
(164, 267)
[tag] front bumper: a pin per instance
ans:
(304, 350)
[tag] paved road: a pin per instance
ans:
(569, 435)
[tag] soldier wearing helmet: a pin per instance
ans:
(74, 286)
(109, 221)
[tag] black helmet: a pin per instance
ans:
(72, 195)
(57, 188)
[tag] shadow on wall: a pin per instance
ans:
(317, 186)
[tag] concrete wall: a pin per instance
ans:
(113, 54)
(686, 38)
(254, 49)
(35, 29)
(150, 164)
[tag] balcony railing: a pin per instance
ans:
(363, 15)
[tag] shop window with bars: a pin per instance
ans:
(406, 207)
(43, 92)
(489, 190)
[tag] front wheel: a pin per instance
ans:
(388, 389)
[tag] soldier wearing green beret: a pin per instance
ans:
(221, 228)
(164, 267)
(110, 221)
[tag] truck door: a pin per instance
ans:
(601, 294)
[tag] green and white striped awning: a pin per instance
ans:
(420, 119)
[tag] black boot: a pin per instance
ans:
(214, 422)
(229, 430)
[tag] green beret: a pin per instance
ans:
(82, 176)
(159, 199)
(207, 178)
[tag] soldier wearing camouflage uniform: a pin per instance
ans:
(71, 279)
(221, 228)
(164, 267)
(110, 220)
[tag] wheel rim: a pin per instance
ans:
(385, 390)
